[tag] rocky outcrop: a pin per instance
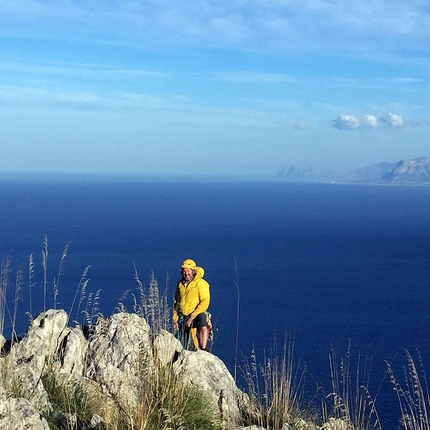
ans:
(119, 352)
(369, 173)
(109, 360)
(416, 170)
(213, 374)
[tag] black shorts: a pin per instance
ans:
(200, 321)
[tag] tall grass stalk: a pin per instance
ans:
(30, 284)
(92, 311)
(5, 271)
(152, 305)
(19, 280)
(61, 269)
(414, 396)
(276, 388)
(45, 269)
(81, 289)
(350, 400)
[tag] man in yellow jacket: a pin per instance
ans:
(191, 301)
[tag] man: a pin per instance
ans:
(191, 302)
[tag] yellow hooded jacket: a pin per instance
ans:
(192, 299)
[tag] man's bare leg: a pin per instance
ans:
(203, 337)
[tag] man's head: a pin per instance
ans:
(188, 270)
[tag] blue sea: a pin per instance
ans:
(332, 264)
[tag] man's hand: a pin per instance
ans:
(189, 322)
(175, 325)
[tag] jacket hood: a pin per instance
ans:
(199, 272)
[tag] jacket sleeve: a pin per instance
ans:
(204, 299)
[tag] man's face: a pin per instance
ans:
(187, 274)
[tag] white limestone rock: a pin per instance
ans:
(207, 372)
(72, 352)
(166, 347)
(42, 339)
(19, 414)
(120, 349)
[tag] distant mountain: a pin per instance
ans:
(293, 172)
(405, 171)
(416, 170)
(370, 173)
(308, 174)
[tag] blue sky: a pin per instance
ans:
(212, 87)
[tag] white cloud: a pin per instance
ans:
(392, 120)
(347, 122)
(369, 121)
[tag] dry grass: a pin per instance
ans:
(413, 396)
(350, 400)
(4, 284)
(276, 388)
(167, 403)
(152, 304)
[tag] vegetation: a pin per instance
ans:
(350, 400)
(168, 403)
(71, 406)
(413, 396)
(275, 387)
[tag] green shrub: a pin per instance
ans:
(70, 403)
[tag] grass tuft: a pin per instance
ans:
(350, 401)
(276, 388)
(167, 403)
(45, 269)
(151, 304)
(413, 397)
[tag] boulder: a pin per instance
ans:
(18, 414)
(166, 347)
(2, 341)
(119, 351)
(41, 342)
(32, 355)
(207, 372)
(72, 352)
